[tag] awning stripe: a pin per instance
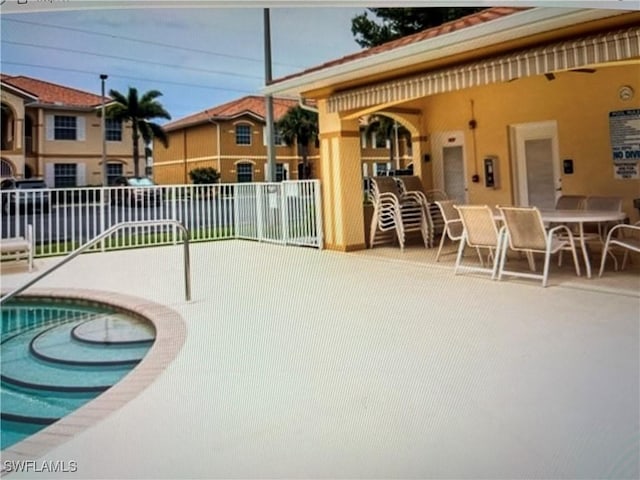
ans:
(607, 47)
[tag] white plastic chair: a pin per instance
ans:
(18, 248)
(480, 232)
(452, 227)
(394, 213)
(627, 237)
(525, 232)
(411, 187)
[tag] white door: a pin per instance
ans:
(537, 178)
(449, 173)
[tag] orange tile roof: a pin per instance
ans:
(477, 18)
(251, 105)
(53, 94)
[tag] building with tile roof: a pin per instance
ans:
(54, 131)
(506, 106)
(231, 138)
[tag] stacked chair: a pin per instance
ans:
(395, 213)
(411, 187)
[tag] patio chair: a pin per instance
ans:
(627, 237)
(570, 202)
(411, 186)
(394, 213)
(434, 196)
(452, 226)
(525, 232)
(597, 233)
(609, 204)
(480, 232)
(18, 248)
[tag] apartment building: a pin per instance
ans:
(232, 139)
(54, 132)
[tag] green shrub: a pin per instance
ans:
(204, 175)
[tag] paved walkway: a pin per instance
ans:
(299, 363)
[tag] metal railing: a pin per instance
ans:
(102, 236)
(65, 218)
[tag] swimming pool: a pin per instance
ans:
(58, 354)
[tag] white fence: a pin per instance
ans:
(63, 219)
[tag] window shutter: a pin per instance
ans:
(50, 127)
(81, 177)
(365, 170)
(49, 175)
(80, 129)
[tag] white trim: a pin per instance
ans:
(519, 134)
(439, 141)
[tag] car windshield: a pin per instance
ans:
(140, 182)
(27, 185)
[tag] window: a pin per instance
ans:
(382, 169)
(65, 175)
(5, 168)
(378, 140)
(114, 170)
(281, 173)
(278, 141)
(113, 130)
(244, 172)
(65, 127)
(243, 134)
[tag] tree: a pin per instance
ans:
(204, 175)
(299, 126)
(395, 23)
(386, 128)
(139, 111)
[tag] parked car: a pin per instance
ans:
(28, 194)
(142, 191)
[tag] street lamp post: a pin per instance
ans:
(105, 182)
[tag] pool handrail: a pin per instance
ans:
(105, 234)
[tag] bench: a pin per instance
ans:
(18, 248)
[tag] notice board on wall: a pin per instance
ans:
(624, 133)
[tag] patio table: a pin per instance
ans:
(580, 217)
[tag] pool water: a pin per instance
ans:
(58, 355)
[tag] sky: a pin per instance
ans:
(197, 57)
(198, 53)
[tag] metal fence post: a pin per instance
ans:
(318, 208)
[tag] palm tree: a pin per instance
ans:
(139, 111)
(299, 126)
(386, 127)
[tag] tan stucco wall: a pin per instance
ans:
(579, 102)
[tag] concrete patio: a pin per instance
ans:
(300, 363)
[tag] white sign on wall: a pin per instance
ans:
(624, 133)
(626, 171)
